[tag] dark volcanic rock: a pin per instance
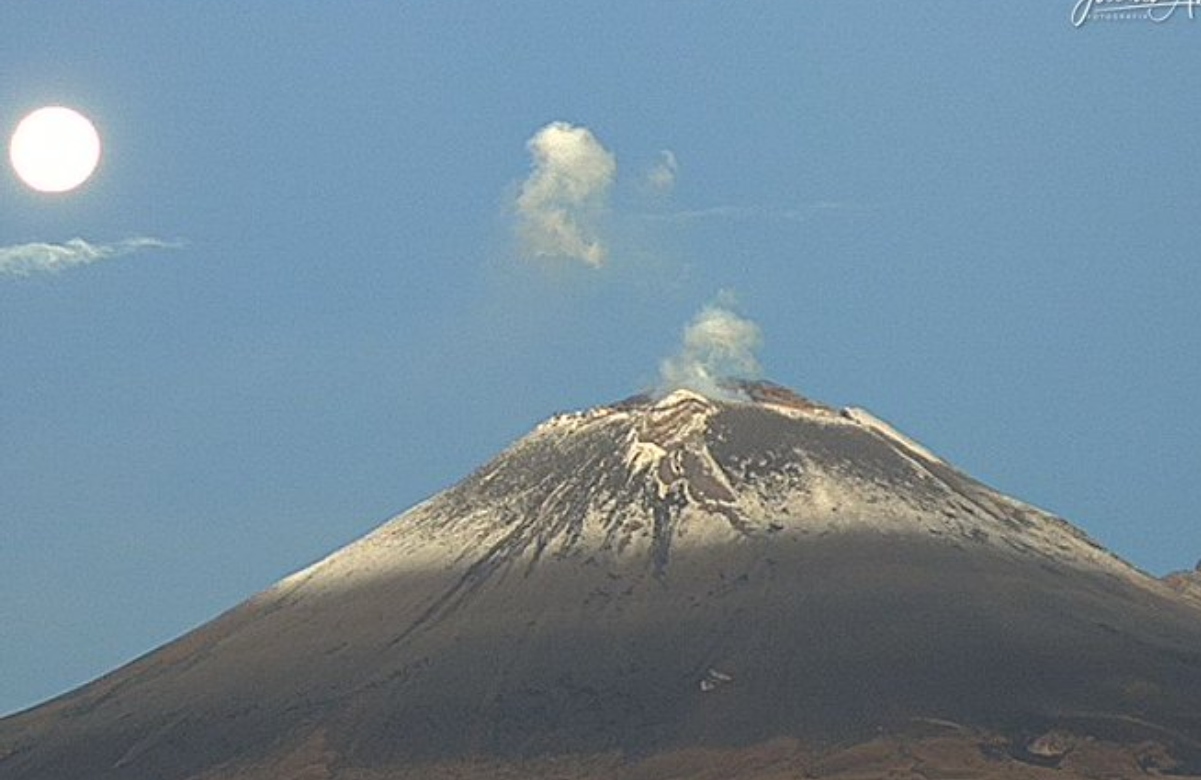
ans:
(671, 587)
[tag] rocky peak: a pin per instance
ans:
(637, 480)
(1186, 583)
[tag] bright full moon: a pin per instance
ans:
(54, 149)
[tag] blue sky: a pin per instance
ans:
(980, 223)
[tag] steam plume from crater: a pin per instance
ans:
(719, 345)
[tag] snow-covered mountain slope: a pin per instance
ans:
(630, 483)
(658, 575)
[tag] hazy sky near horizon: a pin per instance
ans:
(333, 260)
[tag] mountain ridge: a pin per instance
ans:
(670, 573)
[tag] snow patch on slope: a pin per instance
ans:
(876, 425)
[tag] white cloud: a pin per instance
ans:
(560, 203)
(718, 346)
(36, 258)
(662, 177)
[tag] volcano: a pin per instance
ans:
(753, 586)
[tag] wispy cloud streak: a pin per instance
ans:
(799, 213)
(38, 258)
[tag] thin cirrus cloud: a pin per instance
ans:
(38, 257)
(799, 213)
(561, 203)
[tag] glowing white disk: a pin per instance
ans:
(54, 149)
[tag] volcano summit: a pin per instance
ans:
(670, 587)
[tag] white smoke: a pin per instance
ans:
(719, 346)
(662, 177)
(35, 258)
(560, 203)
